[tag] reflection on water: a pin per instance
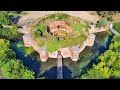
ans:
(29, 61)
(71, 69)
(52, 73)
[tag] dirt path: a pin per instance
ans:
(81, 14)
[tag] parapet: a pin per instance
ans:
(90, 40)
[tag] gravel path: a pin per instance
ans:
(81, 14)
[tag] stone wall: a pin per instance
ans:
(65, 52)
(72, 52)
(63, 26)
(90, 40)
(95, 29)
(24, 30)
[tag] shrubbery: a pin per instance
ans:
(116, 26)
(109, 18)
(102, 23)
(107, 13)
(12, 68)
(108, 63)
(9, 33)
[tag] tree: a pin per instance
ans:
(102, 23)
(9, 33)
(116, 26)
(107, 13)
(108, 63)
(109, 18)
(4, 18)
(12, 67)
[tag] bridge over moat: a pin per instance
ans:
(59, 66)
(113, 30)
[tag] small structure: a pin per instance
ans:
(24, 29)
(59, 52)
(43, 54)
(59, 66)
(90, 40)
(27, 40)
(92, 27)
(65, 52)
(110, 25)
(74, 53)
(58, 25)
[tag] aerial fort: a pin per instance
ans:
(59, 32)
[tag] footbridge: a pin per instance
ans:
(113, 30)
(59, 66)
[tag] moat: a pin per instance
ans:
(71, 69)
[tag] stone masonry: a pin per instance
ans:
(72, 52)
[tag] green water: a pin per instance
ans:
(71, 69)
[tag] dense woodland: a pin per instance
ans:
(108, 65)
(10, 67)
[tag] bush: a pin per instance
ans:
(93, 13)
(9, 33)
(107, 13)
(102, 23)
(110, 18)
(29, 50)
(37, 34)
(116, 26)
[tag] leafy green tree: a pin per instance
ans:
(110, 18)
(107, 13)
(12, 67)
(4, 18)
(9, 33)
(116, 26)
(102, 23)
(108, 63)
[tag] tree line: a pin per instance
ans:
(108, 63)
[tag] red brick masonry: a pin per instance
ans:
(61, 24)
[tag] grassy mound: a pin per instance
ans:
(77, 37)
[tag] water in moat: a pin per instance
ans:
(71, 69)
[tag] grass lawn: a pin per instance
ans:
(54, 43)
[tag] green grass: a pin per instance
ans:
(29, 50)
(58, 16)
(42, 28)
(37, 34)
(77, 27)
(42, 43)
(87, 27)
(54, 45)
